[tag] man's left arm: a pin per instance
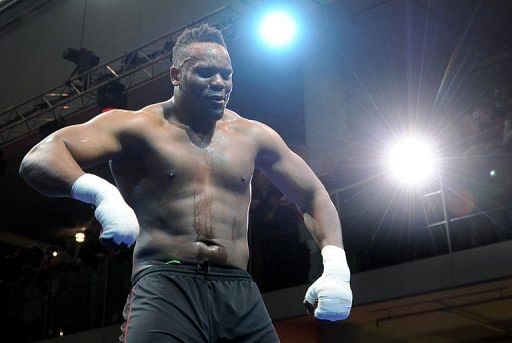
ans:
(297, 181)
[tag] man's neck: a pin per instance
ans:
(178, 114)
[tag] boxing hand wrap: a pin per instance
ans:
(332, 289)
(117, 219)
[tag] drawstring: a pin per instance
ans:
(204, 269)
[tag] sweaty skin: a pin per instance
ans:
(185, 167)
(191, 200)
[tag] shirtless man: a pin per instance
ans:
(183, 171)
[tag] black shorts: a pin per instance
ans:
(188, 303)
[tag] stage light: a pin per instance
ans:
(277, 28)
(411, 161)
(492, 173)
(55, 253)
(111, 96)
(83, 59)
(79, 237)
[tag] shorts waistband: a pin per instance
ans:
(201, 270)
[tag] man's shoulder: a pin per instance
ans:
(154, 110)
(235, 120)
(259, 133)
(148, 115)
(127, 123)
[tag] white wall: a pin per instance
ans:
(31, 50)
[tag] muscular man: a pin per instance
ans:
(183, 168)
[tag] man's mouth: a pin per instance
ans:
(216, 99)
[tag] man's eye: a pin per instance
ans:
(209, 72)
(205, 72)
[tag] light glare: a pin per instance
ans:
(411, 161)
(79, 237)
(278, 28)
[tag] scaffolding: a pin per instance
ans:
(79, 93)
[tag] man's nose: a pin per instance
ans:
(217, 82)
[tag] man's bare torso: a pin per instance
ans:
(191, 193)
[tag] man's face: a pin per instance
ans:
(204, 80)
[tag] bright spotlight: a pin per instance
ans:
(412, 161)
(277, 28)
(79, 237)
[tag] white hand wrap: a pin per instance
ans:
(332, 289)
(117, 219)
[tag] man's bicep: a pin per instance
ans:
(293, 177)
(288, 171)
(90, 143)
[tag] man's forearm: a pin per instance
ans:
(321, 219)
(50, 169)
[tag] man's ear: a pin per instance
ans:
(175, 76)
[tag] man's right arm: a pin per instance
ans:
(54, 168)
(53, 165)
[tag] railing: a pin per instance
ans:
(133, 70)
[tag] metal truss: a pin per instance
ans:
(79, 93)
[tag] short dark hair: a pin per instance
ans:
(203, 33)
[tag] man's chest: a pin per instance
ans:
(225, 159)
